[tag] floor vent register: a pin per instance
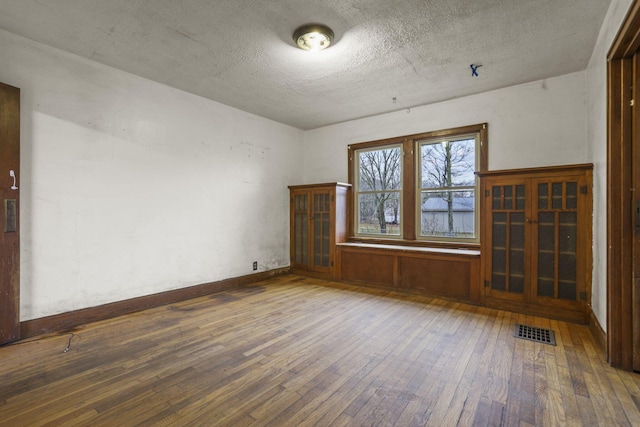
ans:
(545, 336)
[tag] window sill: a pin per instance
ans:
(414, 244)
(411, 248)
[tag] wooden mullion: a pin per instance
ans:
(556, 254)
(530, 240)
(507, 253)
(410, 199)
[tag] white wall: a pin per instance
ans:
(129, 187)
(536, 124)
(597, 144)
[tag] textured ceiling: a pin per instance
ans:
(240, 52)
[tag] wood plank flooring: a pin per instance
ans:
(294, 351)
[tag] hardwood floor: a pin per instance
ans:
(296, 351)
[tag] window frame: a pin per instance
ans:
(410, 233)
(358, 192)
(475, 187)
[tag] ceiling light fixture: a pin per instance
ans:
(313, 37)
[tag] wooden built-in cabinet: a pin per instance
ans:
(536, 240)
(318, 222)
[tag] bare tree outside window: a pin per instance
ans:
(448, 188)
(379, 189)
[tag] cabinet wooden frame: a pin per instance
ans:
(408, 211)
(330, 201)
(529, 299)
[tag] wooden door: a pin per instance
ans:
(9, 213)
(506, 237)
(300, 214)
(321, 225)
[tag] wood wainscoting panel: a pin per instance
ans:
(436, 276)
(447, 273)
(369, 267)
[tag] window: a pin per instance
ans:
(419, 188)
(379, 190)
(447, 185)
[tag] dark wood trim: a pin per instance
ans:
(408, 194)
(627, 41)
(619, 192)
(72, 319)
(545, 169)
(9, 208)
(599, 335)
(323, 185)
(350, 205)
(480, 127)
(548, 312)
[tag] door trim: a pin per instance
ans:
(619, 191)
(9, 213)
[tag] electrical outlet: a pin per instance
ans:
(255, 265)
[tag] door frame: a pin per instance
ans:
(9, 214)
(620, 231)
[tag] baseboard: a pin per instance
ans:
(598, 333)
(72, 319)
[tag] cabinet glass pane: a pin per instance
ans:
(519, 197)
(556, 195)
(496, 197)
(567, 291)
(508, 197)
(301, 227)
(547, 232)
(567, 246)
(572, 195)
(543, 196)
(567, 232)
(545, 288)
(546, 253)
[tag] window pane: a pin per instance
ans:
(380, 169)
(448, 163)
(444, 211)
(379, 213)
(448, 214)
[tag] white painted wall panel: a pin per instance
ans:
(130, 187)
(536, 124)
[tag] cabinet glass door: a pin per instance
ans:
(556, 241)
(301, 229)
(507, 234)
(321, 229)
